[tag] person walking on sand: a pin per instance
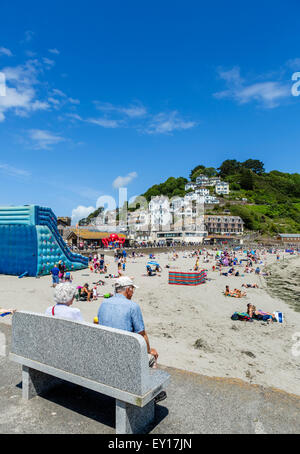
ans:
(55, 275)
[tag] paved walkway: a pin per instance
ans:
(196, 405)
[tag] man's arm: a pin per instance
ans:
(139, 327)
(151, 351)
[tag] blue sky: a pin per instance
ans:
(106, 94)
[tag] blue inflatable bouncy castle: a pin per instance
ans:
(30, 242)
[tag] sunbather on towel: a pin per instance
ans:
(259, 314)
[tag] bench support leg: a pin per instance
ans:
(131, 419)
(35, 382)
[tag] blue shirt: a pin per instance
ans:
(120, 313)
(55, 271)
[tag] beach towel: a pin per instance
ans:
(242, 316)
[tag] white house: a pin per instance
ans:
(202, 191)
(160, 215)
(222, 188)
(202, 180)
(214, 180)
(209, 199)
(190, 185)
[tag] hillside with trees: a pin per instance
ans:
(272, 199)
(268, 202)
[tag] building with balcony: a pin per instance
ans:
(222, 188)
(224, 225)
(211, 200)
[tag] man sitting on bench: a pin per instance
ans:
(121, 313)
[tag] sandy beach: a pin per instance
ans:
(178, 316)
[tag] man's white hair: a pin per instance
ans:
(64, 293)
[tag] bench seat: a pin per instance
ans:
(106, 360)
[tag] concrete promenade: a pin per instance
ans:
(196, 404)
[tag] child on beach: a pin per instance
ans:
(95, 294)
(68, 277)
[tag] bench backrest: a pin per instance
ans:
(106, 355)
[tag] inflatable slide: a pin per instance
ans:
(30, 243)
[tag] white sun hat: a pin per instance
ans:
(125, 281)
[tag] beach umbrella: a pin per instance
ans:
(153, 263)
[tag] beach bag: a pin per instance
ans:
(279, 316)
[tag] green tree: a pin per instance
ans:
(229, 167)
(247, 180)
(196, 172)
(255, 165)
(210, 172)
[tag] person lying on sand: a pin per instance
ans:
(237, 293)
(227, 291)
(4, 312)
(259, 314)
(250, 285)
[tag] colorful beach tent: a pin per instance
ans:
(177, 278)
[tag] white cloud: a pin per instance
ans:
(53, 101)
(132, 111)
(5, 51)
(44, 139)
(166, 123)
(13, 171)
(57, 92)
(30, 53)
(81, 212)
(73, 101)
(121, 182)
(21, 95)
(49, 63)
(54, 51)
(104, 122)
(74, 117)
(294, 64)
(268, 93)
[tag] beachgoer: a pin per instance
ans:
(227, 291)
(259, 314)
(85, 290)
(122, 313)
(149, 270)
(68, 277)
(95, 294)
(64, 295)
(55, 274)
(4, 312)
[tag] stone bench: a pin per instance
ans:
(106, 360)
